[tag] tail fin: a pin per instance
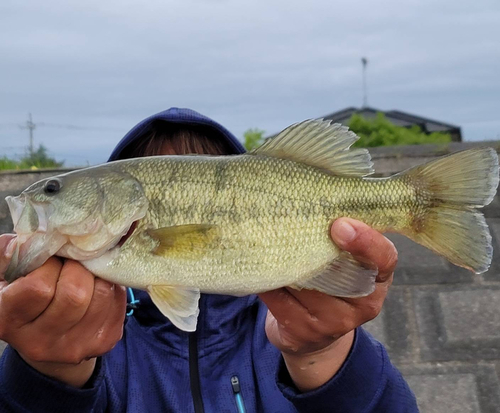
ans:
(452, 227)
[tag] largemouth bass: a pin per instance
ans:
(180, 225)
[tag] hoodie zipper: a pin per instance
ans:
(194, 374)
(235, 383)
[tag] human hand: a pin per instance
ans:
(59, 317)
(315, 331)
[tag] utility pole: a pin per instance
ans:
(364, 61)
(31, 127)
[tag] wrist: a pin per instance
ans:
(311, 370)
(75, 375)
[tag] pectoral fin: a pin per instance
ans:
(179, 305)
(343, 277)
(186, 241)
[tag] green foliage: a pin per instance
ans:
(381, 132)
(6, 163)
(253, 138)
(38, 159)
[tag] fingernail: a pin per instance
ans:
(344, 232)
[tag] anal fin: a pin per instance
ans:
(179, 305)
(343, 277)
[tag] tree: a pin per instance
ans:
(253, 138)
(381, 132)
(39, 159)
(35, 160)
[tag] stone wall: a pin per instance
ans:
(440, 323)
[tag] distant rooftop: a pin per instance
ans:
(398, 118)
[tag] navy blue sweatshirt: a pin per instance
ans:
(227, 365)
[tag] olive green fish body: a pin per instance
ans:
(273, 218)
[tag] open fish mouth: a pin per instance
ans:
(32, 252)
(35, 244)
(37, 241)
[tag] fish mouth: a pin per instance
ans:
(16, 205)
(32, 252)
(38, 239)
(34, 244)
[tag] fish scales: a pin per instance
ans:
(266, 203)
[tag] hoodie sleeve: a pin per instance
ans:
(367, 382)
(23, 389)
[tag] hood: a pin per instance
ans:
(220, 316)
(178, 116)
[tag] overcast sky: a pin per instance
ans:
(105, 65)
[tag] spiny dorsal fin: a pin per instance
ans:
(320, 144)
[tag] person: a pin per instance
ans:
(73, 349)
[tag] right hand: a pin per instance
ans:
(60, 317)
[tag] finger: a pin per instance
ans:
(102, 325)
(369, 307)
(366, 244)
(100, 304)
(284, 306)
(26, 298)
(112, 329)
(72, 297)
(319, 304)
(338, 315)
(292, 317)
(8, 244)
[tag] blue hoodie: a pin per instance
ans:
(227, 365)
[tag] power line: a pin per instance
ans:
(75, 127)
(31, 126)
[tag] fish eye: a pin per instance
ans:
(52, 187)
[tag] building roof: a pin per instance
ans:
(398, 118)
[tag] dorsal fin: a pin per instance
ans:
(320, 144)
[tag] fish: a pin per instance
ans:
(177, 226)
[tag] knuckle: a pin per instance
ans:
(41, 289)
(105, 346)
(345, 325)
(112, 337)
(118, 334)
(72, 358)
(372, 309)
(76, 358)
(392, 257)
(75, 296)
(35, 353)
(73, 353)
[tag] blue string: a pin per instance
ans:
(239, 403)
(132, 304)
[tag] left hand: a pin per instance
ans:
(315, 331)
